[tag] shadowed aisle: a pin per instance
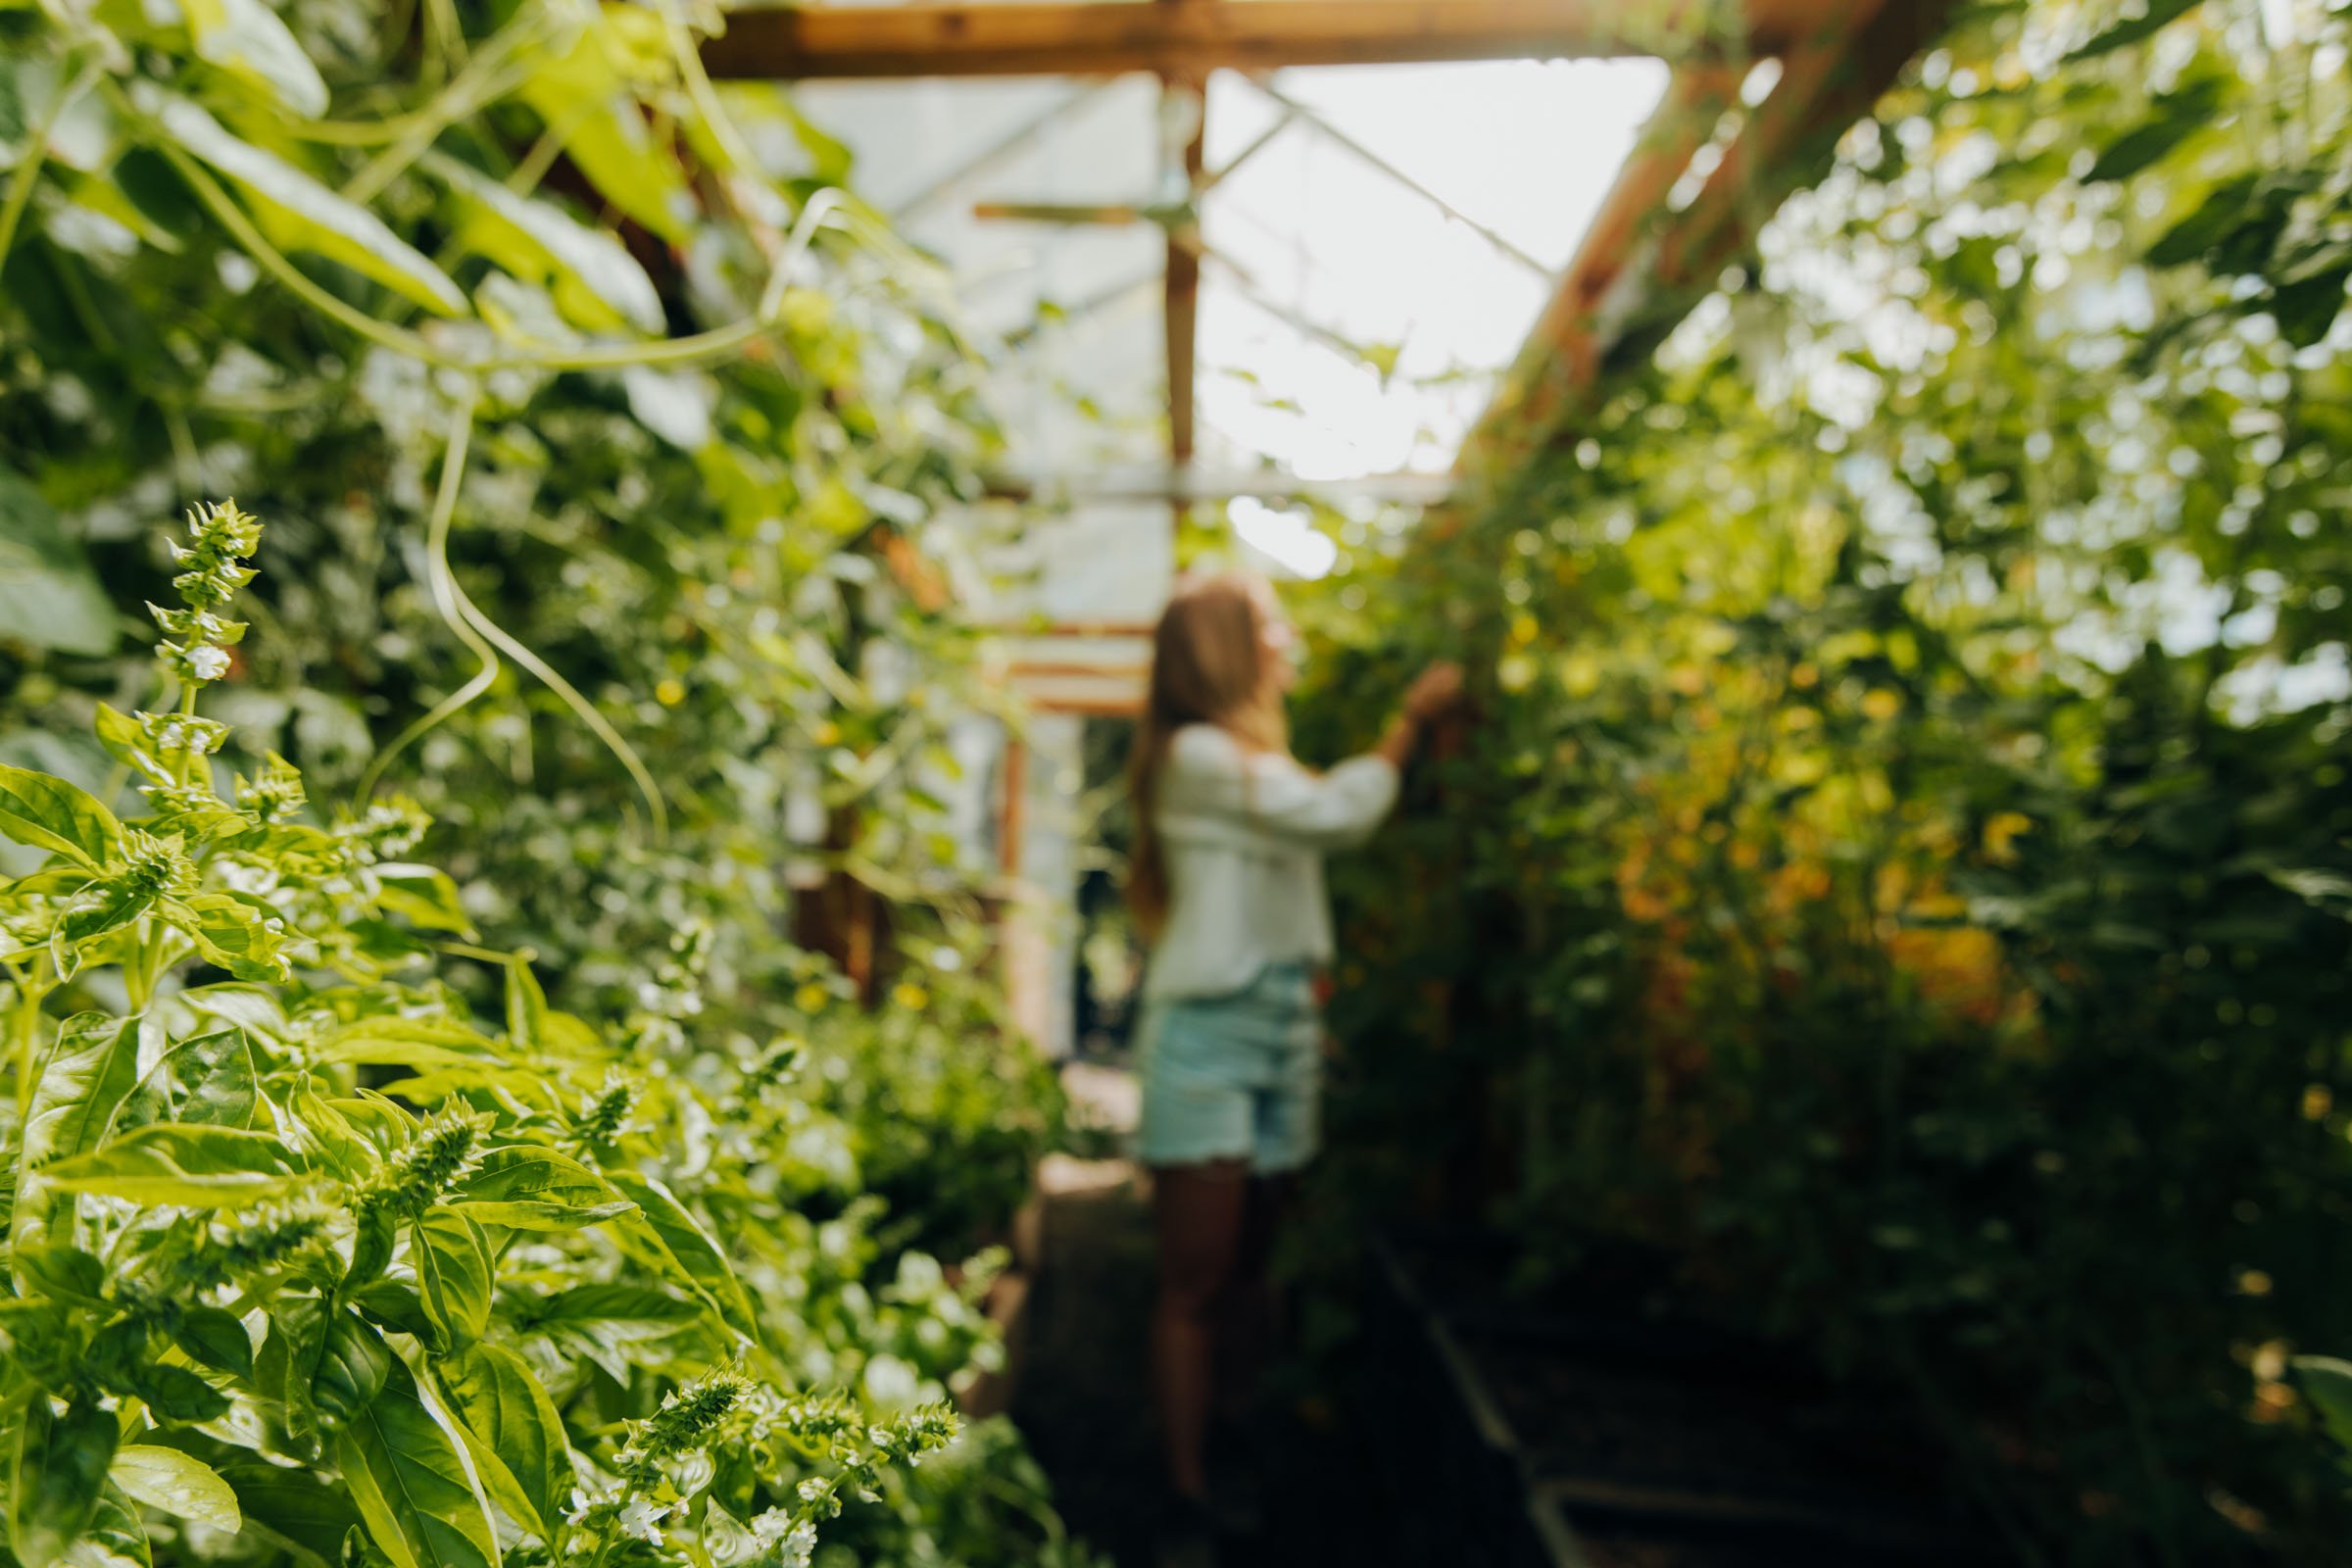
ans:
(1084, 1400)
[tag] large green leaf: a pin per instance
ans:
(607, 1323)
(527, 1007)
(525, 1187)
(56, 1467)
(115, 1536)
(2309, 295)
(52, 815)
(511, 1428)
(300, 213)
(246, 39)
(409, 1482)
(287, 1366)
(178, 1483)
(2156, 16)
(290, 1507)
(393, 1041)
(48, 595)
(236, 931)
(453, 1274)
(426, 896)
(583, 98)
(2172, 119)
(175, 1162)
(692, 1255)
(90, 1071)
(2328, 1382)
(208, 1079)
(594, 280)
(355, 1366)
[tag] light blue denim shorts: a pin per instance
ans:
(1234, 1077)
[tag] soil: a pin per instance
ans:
(1626, 1438)
(1084, 1402)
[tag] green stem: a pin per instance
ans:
(188, 753)
(467, 949)
(688, 61)
(36, 154)
(483, 84)
(445, 597)
(717, 343)
(274, 261)
(138, 973)
(24, 1029)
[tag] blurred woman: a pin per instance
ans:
(1226, 882)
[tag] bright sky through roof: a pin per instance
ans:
(1283, 536)
(1323, 265)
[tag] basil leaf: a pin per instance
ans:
(179, 1162)
(689, 1252)
(453, 1274)
(52, 815)
(525, 1187)
(511, 1428)
(410, 1484)
(178, 1483)
(56, 1465)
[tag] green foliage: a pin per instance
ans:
(1898, 871)
(593, 447)
(252, 1254)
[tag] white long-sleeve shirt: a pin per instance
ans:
(1243, 834)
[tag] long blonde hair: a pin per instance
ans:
(1209, 665)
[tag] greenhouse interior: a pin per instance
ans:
(1113, 783)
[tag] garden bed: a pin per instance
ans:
(1592, 1427)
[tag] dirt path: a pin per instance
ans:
(1085, 1404)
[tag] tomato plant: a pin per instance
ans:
(1899, 870)
(597, 421)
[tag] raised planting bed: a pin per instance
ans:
(1591, 1428)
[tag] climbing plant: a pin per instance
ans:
(604, 437)
(1901, 868)
(247, 1289)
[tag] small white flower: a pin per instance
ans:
(771, 1527)
(641, 1519)
(208, 662)
(801, 1544)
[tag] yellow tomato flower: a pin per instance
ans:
(2000, 833)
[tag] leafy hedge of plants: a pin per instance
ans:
(1903, 872)
(601, 462)
(450, 1303)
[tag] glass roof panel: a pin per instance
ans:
(1377, 242)
(1378, 253)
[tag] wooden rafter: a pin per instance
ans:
(1640, 260)
(1562, 351)
(1194, 483)
(1080, 37)
(1184, 281)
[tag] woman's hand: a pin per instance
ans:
(1432, 691)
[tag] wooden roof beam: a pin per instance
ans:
(1188, 42)
(1641, 259)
